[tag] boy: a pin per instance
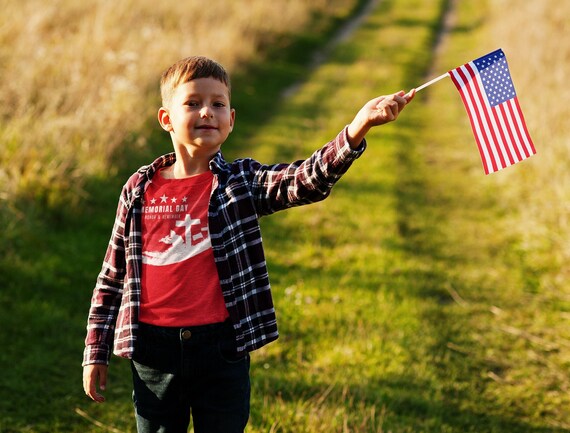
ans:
(184, 291)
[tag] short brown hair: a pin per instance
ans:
(189, 69)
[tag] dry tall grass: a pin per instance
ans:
(536, 35)
(78, 78)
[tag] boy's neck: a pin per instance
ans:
(187, 165)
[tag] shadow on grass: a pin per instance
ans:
(455, 399)
(422, 214)
(401, 404)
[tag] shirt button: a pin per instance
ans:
(186, 334)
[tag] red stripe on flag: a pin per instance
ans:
(517, 130)
(523, 123)
(482, 132)
(505, 144)
(459, 87)
(493, 143)
(510, 132)
(479, 130)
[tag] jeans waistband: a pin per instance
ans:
(186, 332)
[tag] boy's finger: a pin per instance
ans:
(393, 109)
(103, 379)
(400, 102)
(410, 95)
(94, 395)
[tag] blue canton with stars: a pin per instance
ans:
(496, 77)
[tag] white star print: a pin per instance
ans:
(496, 78)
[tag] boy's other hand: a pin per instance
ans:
(93, 374)
(377, 111)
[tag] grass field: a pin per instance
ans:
(422, 296)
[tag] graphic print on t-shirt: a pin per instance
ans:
(180, 247)
(175, 233)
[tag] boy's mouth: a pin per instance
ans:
(206, 127)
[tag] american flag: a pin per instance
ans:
(497, 121)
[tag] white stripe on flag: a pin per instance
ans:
(513, 120)
(464, 78)
(484, 107)
(522, 128)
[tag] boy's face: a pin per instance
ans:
(199, 116)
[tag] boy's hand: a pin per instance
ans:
(377, 111)
(93, 374)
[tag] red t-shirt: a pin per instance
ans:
(180, 283)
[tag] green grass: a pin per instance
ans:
(404, 301)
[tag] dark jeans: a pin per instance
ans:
(194, 370)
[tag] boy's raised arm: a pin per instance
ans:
(377, 111)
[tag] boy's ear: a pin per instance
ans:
(164, 119)
(232, 119)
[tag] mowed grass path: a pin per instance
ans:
(402, 299)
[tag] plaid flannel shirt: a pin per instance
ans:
(243, 191)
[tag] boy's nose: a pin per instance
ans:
(205, 113)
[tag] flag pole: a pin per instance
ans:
(429, 83)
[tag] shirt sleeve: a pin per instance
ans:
(107, 293)
(281, 186)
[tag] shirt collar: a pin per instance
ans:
(218, 163)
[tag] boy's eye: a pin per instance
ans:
(219, 104)
(192, 103)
